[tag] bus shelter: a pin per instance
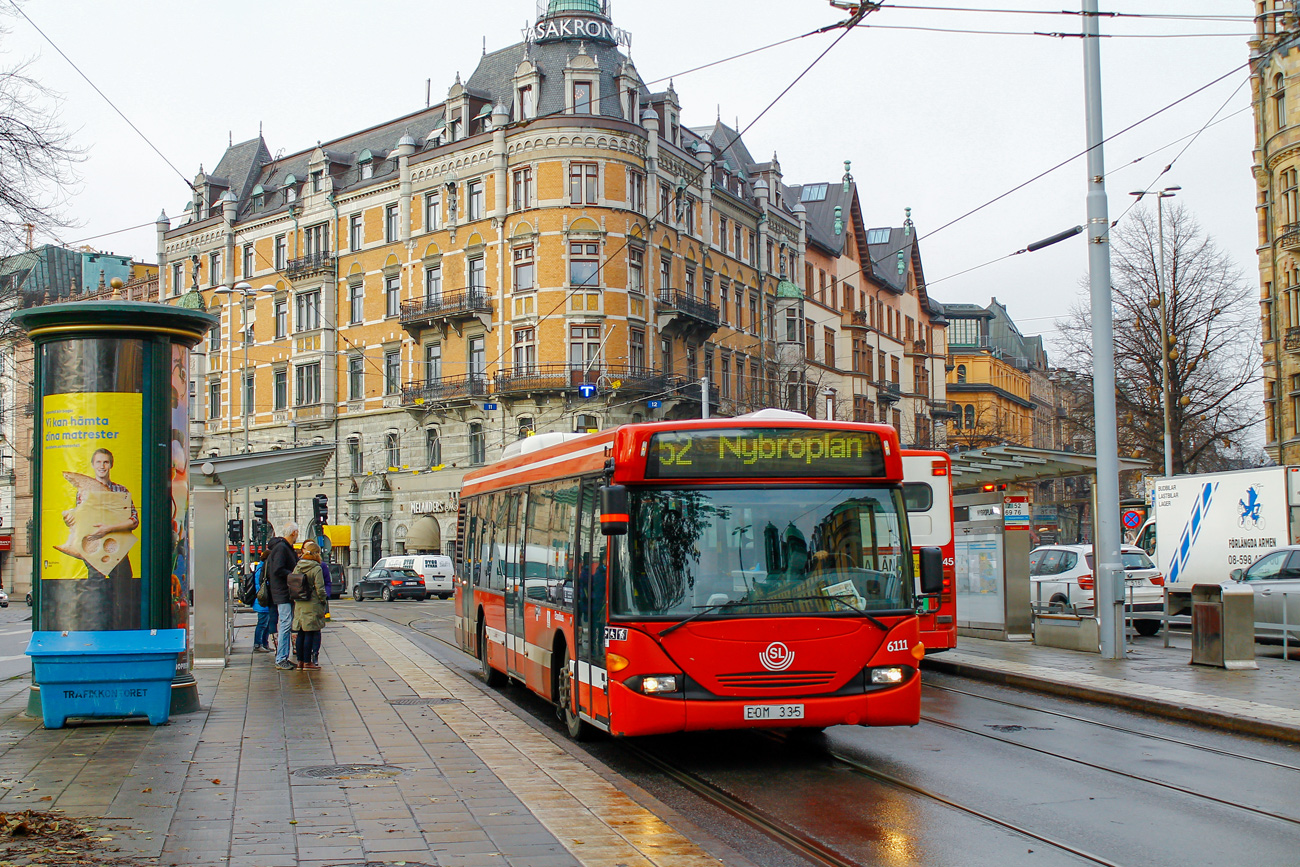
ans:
(211, 486)
(993, 535)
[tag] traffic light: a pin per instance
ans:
(259, 511)
(235, 529)
(320, 508)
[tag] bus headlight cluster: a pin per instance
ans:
(888, 675)
(655, 683)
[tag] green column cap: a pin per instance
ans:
(120, 318)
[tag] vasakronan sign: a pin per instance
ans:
(577, 28)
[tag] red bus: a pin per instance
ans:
(927, 492)
(690, 575)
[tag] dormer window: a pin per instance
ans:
(259, 196)
(527, 102)
(367, 163)
(290, 189)
(317, 181)
(582, 97)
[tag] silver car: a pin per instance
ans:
(1061, 578)
(1275, 580)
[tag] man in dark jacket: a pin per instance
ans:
(280, 561)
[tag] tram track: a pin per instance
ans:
(1122, 729)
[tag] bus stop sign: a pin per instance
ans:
(586, 391)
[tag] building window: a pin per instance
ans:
(583, 184)
(316, 239)
(249, 402)
(477, 358)
(584, 264)
(736, 250)
(477, 274)
(688, 208)
(692, 362)
(433, 446)
(740, 309)
(474, 195)
(636, 271)
(636, 191)
(584, 346)
(433, 285)
(722, 234)
(636, 349)
(178, 277)
(281, 388)
(392, 371)
(432, 212)
(308, 383)
(527, 102)
(665, 274)
(307, 314)
(526, 426)
(791, 325)
(1290, 213)
(214, 340)
(753, 313)
(724, 384)
(961, 373)
(523, 269)
(477, 443)
(666, 354)
(281, 318)
(724, 295)
(970, 416)
(392, 294)
(830, 347)
(525, 354)
(522, 188)
(708, 289)
(281, 250)
(390, 223)
(586, 424)
(356, 377)
(433, 362)
(582, 97)
(1279, 100)
(356, 464)
(393, 450)
(216, 274)
(355, 234)
(214, 399)
(247, 270)
(689, 283)
(810, 342)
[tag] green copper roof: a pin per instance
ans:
(586, 7)
(192, 300)
(786, 289)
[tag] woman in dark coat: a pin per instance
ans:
(309, 615)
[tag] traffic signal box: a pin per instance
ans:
(320, 509)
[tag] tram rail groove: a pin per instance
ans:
(1112, 727)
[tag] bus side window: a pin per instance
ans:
(593, 544)
(472, 551)
(563, 518)
(500, 522)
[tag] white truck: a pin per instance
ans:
(1204, 526)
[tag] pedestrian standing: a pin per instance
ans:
(266, 615)
(280, 561)
(309, 614)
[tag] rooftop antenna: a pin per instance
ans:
(428, 92)
(230, 140)
(485, 45)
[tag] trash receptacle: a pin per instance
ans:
(1223, 626)
(114, 673)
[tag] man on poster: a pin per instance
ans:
(101, 463)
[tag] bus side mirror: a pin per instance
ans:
(613, 510)
(931, 571)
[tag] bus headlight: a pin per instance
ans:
(888, 675)
(655, 683)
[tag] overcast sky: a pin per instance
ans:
(941, 122)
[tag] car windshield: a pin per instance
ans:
(1132, 560)
(762, 551)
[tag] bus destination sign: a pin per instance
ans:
(757, 453)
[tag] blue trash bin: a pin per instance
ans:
(118, 673)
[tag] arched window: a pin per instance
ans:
(393, 450)
(356, 464)
(1279, 100)
(526, 426)
(433, 446)
(586, 423)
(477, 443)
(956, 421)
(961, 373)
(970, 416)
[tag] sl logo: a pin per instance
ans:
(777, 657)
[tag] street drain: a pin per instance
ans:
(349, 772)
(419, 701)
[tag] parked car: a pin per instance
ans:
(4, 599)
(390, 584)
(436, 570)
(1275, 580)
(1061, 578)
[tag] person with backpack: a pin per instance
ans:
(280, 561)
(267, 619)
(308, 585)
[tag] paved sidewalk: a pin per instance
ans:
(1152, 679)
(384, 757)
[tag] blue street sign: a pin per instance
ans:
(586, 392)
(654, 404)
(489, 406)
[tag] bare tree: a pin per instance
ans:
(1214, 351)
(986, 425)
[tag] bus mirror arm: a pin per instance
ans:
(613, 510)
(931, 571)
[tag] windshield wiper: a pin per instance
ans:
(840, 599)
(680, 623)
(742, 602)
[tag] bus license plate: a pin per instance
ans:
(773, 711)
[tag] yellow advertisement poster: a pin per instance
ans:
(91, 479)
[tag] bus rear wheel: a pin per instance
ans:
(574, 725)
(491, 676)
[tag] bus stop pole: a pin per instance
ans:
(1109, 587)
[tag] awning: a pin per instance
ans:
(340, 535)
(1002, 465)
(425, 535)
(261, 468)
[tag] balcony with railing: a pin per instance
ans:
(321, 262)
(888, 392)
(1292, 343)
(686, 315)
(541, 378)
(1289, 237)
(430, 393)
(447, 307)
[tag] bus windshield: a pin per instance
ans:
(745, 552)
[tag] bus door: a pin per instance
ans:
(516, 646)
(466, 525)
(589, 607)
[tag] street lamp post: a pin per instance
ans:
(1162, 292)
(244, 290)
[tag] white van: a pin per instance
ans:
(435, 569)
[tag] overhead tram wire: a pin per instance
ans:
(1052, 35)
(1079, 14)
(104, 96)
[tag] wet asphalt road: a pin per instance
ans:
(981, 781)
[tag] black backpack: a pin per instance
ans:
(248, 587)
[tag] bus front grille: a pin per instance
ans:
(776, 679)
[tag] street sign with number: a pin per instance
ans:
(654, 404)
(489, 406)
